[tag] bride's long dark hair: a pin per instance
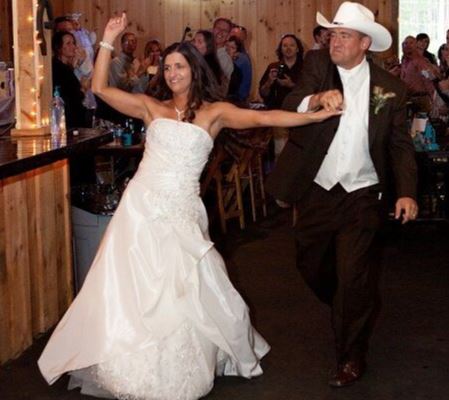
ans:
(204, 86)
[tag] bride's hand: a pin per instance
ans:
(114, 27)
(323, 114)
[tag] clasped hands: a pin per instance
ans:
(330, 100)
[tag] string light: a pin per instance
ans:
(32, 113)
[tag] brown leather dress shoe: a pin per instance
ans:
(347, 374)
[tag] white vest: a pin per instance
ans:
(348, 161)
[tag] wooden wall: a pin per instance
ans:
(266, 20)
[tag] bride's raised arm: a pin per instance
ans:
(134, 105)
(231, 116)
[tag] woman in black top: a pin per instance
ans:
(64, 46)
(205, 44)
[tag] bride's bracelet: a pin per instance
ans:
(106, 45)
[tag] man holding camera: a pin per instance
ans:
(279, 79)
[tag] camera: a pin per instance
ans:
(281, 71)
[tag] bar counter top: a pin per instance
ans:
(21, 154)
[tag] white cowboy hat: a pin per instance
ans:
(359, 18)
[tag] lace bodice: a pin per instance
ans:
(176, 151)
(174, 157)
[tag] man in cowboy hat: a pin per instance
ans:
(336, 171)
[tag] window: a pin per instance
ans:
(424, 16)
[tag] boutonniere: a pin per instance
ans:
(379, 98)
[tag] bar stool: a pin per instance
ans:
(223, 173)
(254, 173)
(237, 164)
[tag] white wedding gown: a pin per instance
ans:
(157, 317)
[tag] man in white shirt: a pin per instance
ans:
(222, 29)
(126, 69)
(337, 173)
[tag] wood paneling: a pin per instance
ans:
(35, 255)
(6, 53)
(266, 20)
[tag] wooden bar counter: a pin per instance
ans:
(36, 284)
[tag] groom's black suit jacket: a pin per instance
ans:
(390, 145)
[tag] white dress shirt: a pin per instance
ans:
(348, 161)
(226, 63)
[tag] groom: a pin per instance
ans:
(337, 173)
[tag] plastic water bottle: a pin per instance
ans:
(58, 125)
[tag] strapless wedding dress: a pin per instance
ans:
(157, 317)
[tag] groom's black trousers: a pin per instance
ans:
(338, 254)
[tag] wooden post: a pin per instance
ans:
(5, 31)
(33, 81)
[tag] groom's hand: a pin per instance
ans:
(407, 208)
(330, 100)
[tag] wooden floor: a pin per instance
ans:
(409, 358)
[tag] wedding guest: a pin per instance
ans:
(440, 107)
(321, 37)
(85, 41)
(241, 33)
(64, 49)
(153, 51)
(63, 23)
(126, 68)
(84, 38)
(281, 76)
(204, 42)
(243, 62)
(234, 47)
(279, 79)
(152, 56)
(221, 30)
(443, 60)
(418, 74)
(422, 44)
(82, 62)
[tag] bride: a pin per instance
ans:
(157, 317)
